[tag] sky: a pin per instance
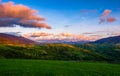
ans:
(61, 19)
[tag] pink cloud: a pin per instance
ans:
(39, 36)
(105, 16)
(20, 15)
(111, 19)
(65, 34)
(106, 12)
(36, 34)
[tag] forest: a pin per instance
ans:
(78, 52)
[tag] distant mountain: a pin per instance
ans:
(14, 40)
(64, 41)
(109, 40)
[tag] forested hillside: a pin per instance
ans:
(86, 52)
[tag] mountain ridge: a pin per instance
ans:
(14, 40)
(109, 40)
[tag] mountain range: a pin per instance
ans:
(60, 51)
(19, 40)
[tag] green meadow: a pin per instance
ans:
(24, 67)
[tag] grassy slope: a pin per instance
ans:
(49, 52)
(56, 68)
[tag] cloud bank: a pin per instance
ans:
(69, 37)
(65, 36)
(11, 14)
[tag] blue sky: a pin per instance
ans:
(73, 16)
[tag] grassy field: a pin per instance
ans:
(12, 67)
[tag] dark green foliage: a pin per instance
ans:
(83, 52)
(110, 51)
(49, 52)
